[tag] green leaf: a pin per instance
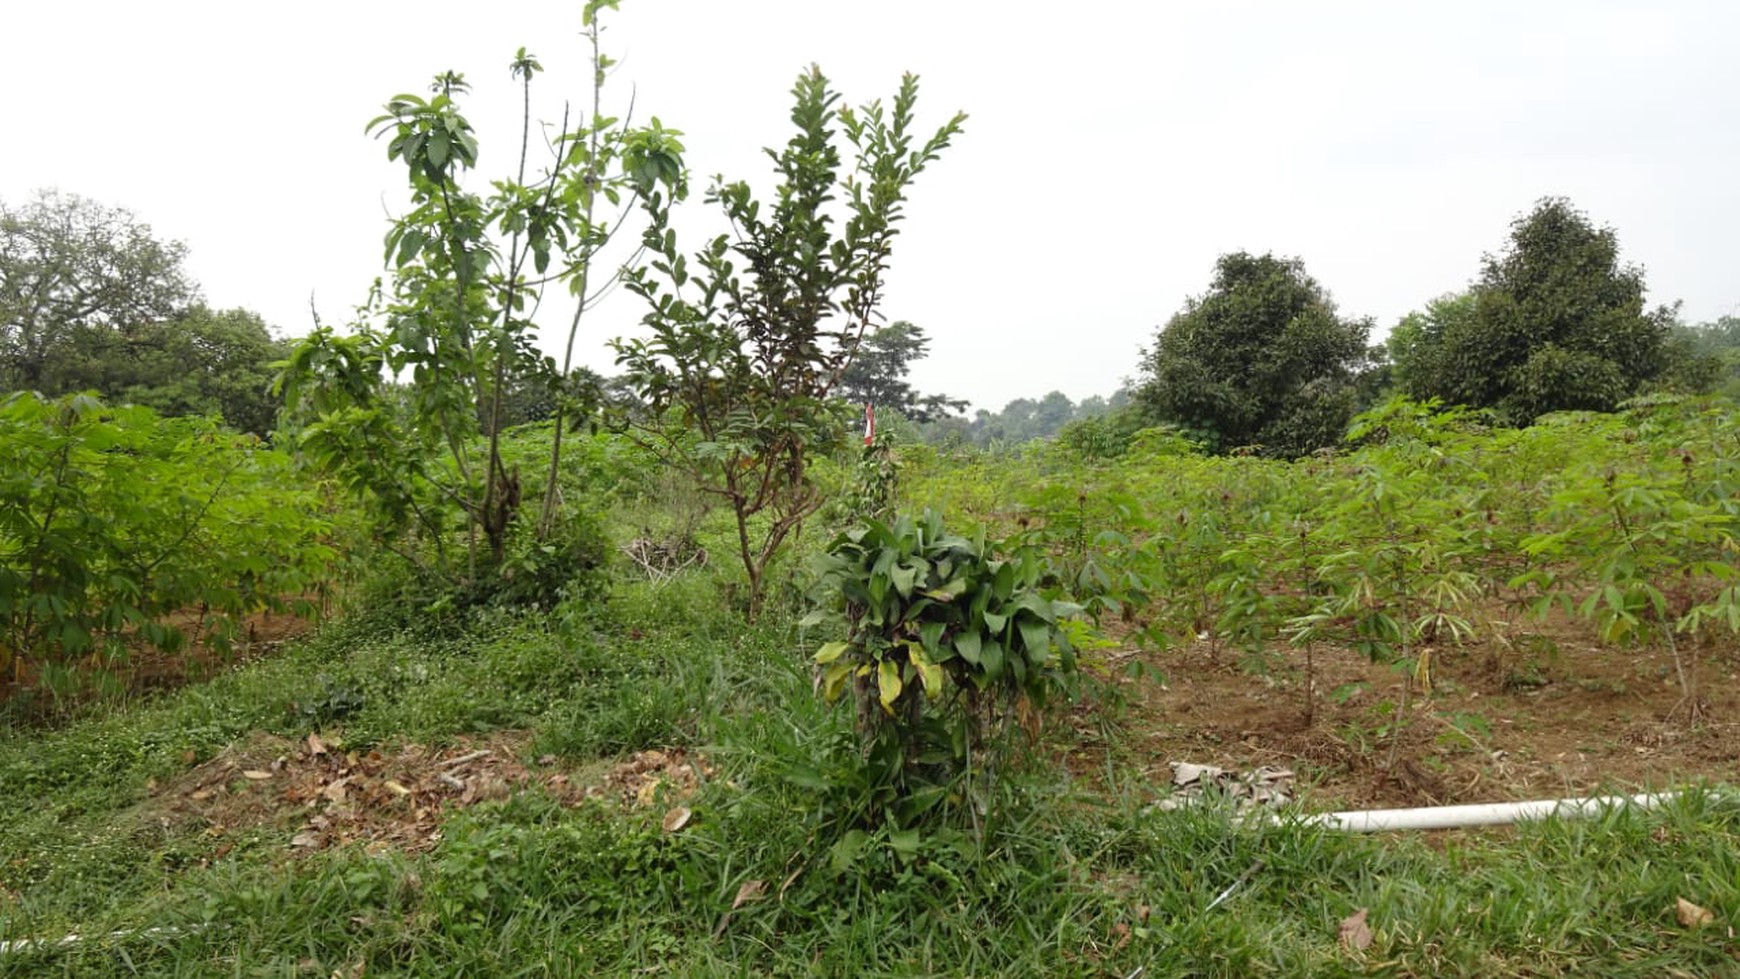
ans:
(931, 633)
(903, 577)
(992, 660)
(831, 652)
(1035, 637)
(968, 645)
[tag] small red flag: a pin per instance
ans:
(869, 425)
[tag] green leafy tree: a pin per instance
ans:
(1704, 358)
(1262, 358)
(877, 375)
(91, 300)
(468, 273)
(1555, 323)
(204, 362)
(743, 362)
(73, 274)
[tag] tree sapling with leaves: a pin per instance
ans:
(751, 336)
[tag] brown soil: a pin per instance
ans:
(1552, 714)
(312, 794)
(144, 669)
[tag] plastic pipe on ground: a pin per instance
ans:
(1485, 814)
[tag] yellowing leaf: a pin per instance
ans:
(834, 680)
(831, 652)
(888, 684)
(930, 674)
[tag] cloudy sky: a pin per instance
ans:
(1113, 150)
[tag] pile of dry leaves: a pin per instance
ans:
(320, 794)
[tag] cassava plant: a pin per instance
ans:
(121, 530)
(945, 642)
(749, 339)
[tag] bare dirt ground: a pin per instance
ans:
(1555, 714)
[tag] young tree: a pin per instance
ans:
(1261, 359)
(1554, 323)
(468, 273)
(743, 361)
(877, 375)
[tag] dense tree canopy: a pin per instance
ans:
(1261, 359)
(1554, 323)
(74, 275)
(91, 300)
(877, 374)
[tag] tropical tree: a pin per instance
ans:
(1555, 322)
(877, 375)
(92, 300)
(1261, 359)
(743, 363)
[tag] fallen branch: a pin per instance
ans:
(466, 759)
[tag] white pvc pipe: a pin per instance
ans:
(1484, 814)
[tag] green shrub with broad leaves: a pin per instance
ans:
(113, 519)
(944, 640)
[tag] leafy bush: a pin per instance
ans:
(935, 618)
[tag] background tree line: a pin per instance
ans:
(91, 300)
(1263, 360)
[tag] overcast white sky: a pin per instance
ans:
(1114, 150)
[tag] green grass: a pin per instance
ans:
(1051, 883)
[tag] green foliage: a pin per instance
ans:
(112, 519)
(80, 277)
(1704, 358)
(468, 271)
(741, 366)
(936, 619)
(1262, 359)
(877, 374)
(94, 302)
(1555, 323)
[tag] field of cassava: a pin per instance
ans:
(622, 774)
(470, 661)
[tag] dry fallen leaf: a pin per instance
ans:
(256, 774)
(1691, 915)
(1354, 933)
(396, 788)
(305, 838)
(315, 745)
(750, 891)
(200, 795)
(677, 818)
